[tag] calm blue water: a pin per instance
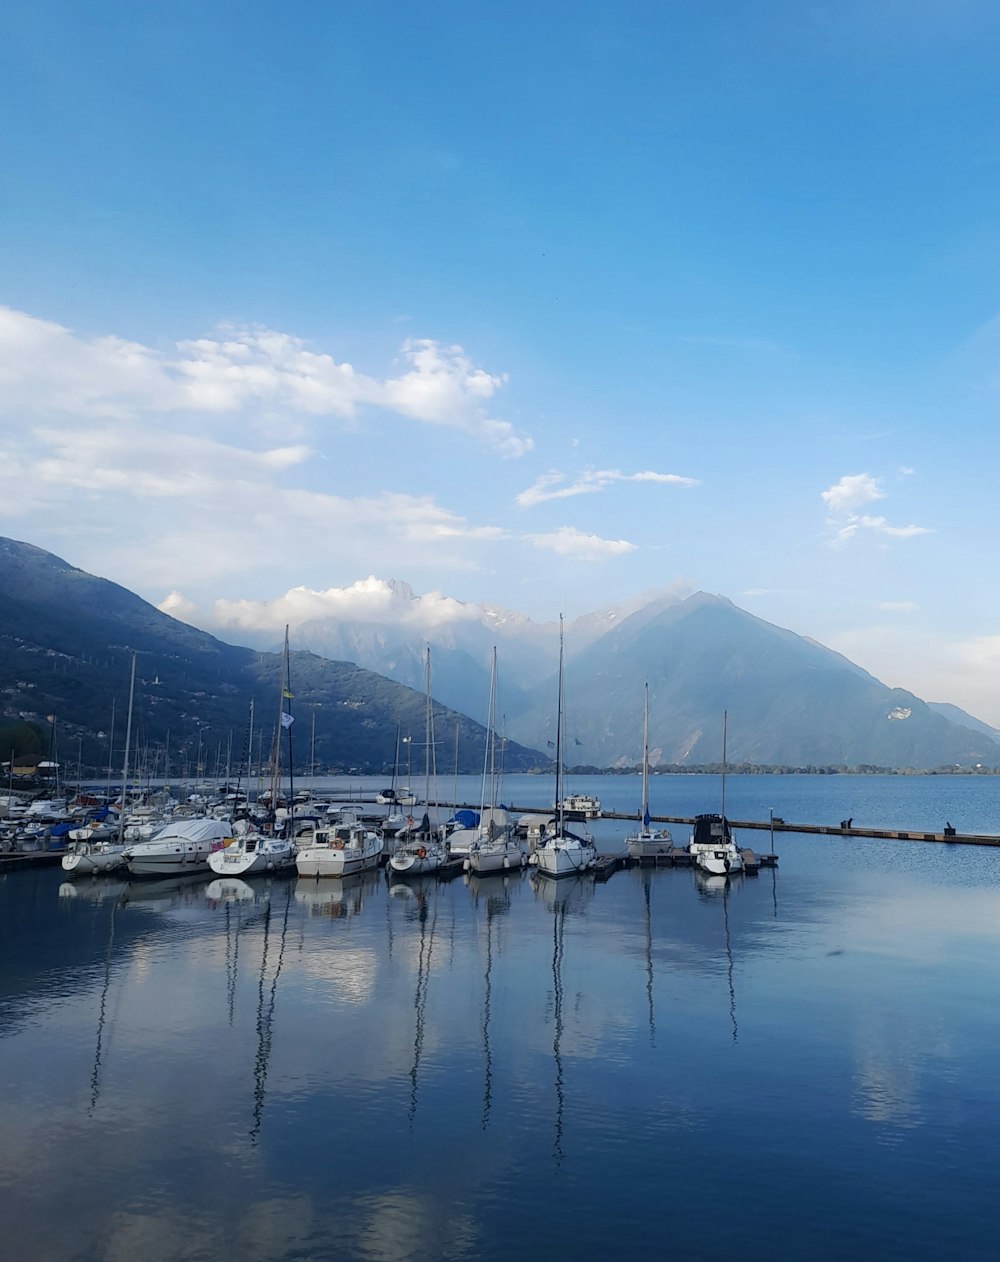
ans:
(801, 1064)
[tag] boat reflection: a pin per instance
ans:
(494, 885)
(719, 887)
(267, 995)
(97, 889)
(426, 909)
(568, 896)
(338, 899)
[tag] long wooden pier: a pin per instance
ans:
(953, 838)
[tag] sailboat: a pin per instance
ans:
(560, 852)
(422, 852)
(712, 846)
(265, 851)
(496, 849)
(647, 843)
(90, 857)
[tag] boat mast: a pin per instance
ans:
(725, 723)
(645, 757)
(559, 733)
(128, 739)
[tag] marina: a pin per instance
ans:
(280, 1067)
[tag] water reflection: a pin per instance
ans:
(102, 1009)
(340, 897)
(718, 887)
(266, 998)
(563, 896)
(427, 911)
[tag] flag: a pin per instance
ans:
(286, 721)
(287, 695)
(551, 744)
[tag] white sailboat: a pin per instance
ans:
(647, 842)
(712, 845)
(496, 848)
(422, 851)
(560, 851)
(90, 856)
(255, 850)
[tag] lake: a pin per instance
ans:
(798, 1064)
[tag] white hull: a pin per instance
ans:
(235, 860)
(565, 857)
(175, 862)
(720, 862)
(410, 862)
(649, 845)
(486, 858)
(93, 861)
(341, 851)
(179, 849)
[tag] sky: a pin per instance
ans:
(537, 305)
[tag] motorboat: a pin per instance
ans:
(712, 846)
(340, 850)
(180, 847)
(584, 804)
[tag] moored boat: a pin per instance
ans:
(341, 850)
(181, 847)
(712, 846)
(250, 853)
(647, 842)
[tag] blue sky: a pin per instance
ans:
(538, 305)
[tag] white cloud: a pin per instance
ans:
(569, 542)
(179, 607)
(852, 492)
(548, 485)
(370, 600)
(855, 526)
(45, 369)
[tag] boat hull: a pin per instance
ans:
(496, 859)
(319, 861)
(93, 862)
(563, 860)
(237, 862)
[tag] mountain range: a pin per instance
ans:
(66, 640)
(790, 701)
(66, 645)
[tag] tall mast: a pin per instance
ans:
(559, 733)
(645, 757)
(725, 724)
(128, 739)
